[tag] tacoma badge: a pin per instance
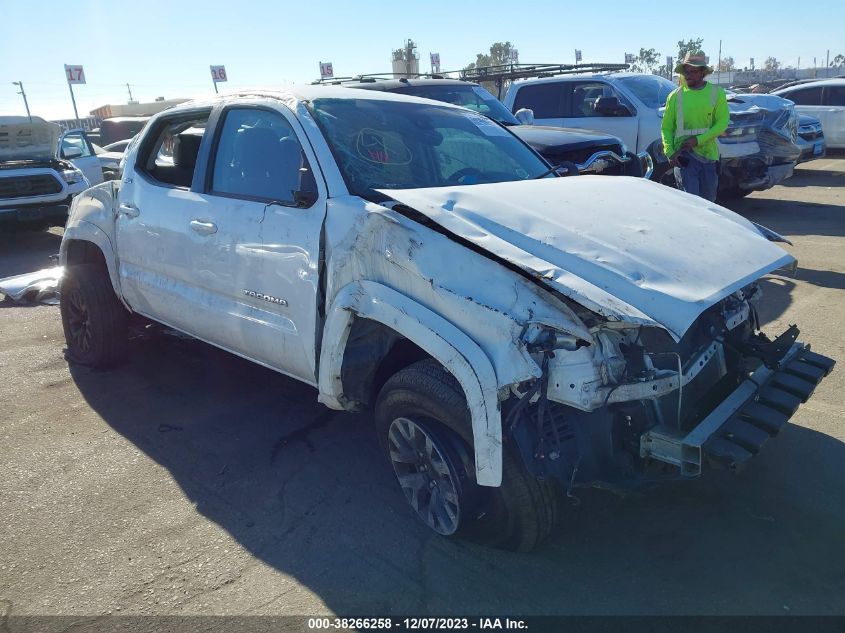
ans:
(258, 295)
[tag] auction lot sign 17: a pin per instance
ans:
(74, 74)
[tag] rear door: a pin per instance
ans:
(155, 203)
(834, 107)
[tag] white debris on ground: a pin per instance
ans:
(38, 287)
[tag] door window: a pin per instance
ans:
(835, 95)
(543, 98)
(580, 98)
(805, 96)
(169, 155)
(75, 141)
(259, 157)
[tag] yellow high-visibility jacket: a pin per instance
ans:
(701, 113)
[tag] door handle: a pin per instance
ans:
(204, 228)
(129, 210)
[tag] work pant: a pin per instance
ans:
(698, 178)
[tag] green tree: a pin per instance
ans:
(727, 65)
(771, 64)
(645, 61)
(838, 61)
(689, 46)
(500, 53)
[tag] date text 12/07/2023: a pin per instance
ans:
(417, 624)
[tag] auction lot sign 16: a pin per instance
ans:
(218, 74)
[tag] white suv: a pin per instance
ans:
(825, 100)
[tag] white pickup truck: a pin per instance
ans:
(42, 169)
(515, 338)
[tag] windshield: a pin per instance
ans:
(650, 89)
(465, 95)
(398, 145)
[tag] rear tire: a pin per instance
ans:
(426, 401)
(93, 319)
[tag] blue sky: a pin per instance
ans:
(164, 48)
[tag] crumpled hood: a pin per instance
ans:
(627, 248)
(22, 140)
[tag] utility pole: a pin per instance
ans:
(23, 94)
(130, 91)
(827, 65)
(719, 66)
(73, 99)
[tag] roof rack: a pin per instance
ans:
(373, 77)
(508, 72)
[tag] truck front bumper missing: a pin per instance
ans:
(738, 427)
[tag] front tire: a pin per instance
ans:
(424, 425)
(93, 319)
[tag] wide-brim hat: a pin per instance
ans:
(697, 59)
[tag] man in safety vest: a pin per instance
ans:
(696, 114)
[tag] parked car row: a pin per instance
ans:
(758, 149)
(588, 123)
(516, 334)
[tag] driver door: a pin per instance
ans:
(76, 143)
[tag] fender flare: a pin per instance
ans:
(439, 338)
(83, 231)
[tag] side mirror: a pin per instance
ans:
(610, 106)
(525, 116)
(305, 199)
(71, 152)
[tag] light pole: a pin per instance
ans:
(25, 103)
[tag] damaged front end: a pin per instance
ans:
(670, 357)
(759, 149)
(608, 411)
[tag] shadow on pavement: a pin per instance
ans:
(803, 177)
(793, 217)
(23, 251)
(823, 278)
(306, 491)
